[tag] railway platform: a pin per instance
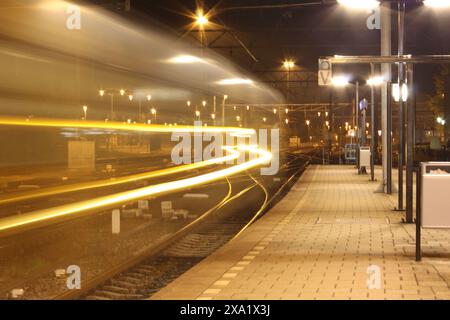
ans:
(331, 237)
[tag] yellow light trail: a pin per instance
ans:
(109, 125)
(30, 195)
(40, 217)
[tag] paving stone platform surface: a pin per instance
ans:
(331, 237)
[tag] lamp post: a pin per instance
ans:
(111, 93)
(225, 97)
(85, 108)
(307, 125)
(153, 112)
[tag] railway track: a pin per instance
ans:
(146, 275)
(147, 278)
(157, 265)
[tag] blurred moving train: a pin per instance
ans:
(65, 60)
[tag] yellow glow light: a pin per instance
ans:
(185, 59)
(25, 196)
(60, 123)
(201, 19)
(40, 217)
(235, 81)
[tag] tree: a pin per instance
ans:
(436, 102)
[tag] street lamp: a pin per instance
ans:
(437, 3)
(396, 92)
(111, 93)
(288, 64)
(359, 4)
(85, 108)
(225, 97)
(153, 112)
(340, 81)
(201, 20)
(307, 125)
(375, 81)
(441, 121)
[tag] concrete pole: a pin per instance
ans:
(214, 111)
(373, 128)
(357, 124)
(223, 112)
(385, 14)
(411, 125)
(401, 121)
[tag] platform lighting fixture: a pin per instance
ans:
(122, 92)
(375, 81)
(326, 114)
(248, 108)
(130, 97)
(287, 121)
(274, 111)
(308, 122)
(264, 119)
(197, 113)
(153, 111)
(213, 116)
(85, 108)
(101, 93)
(289, 64)
(200, 19)
(286, 110)
(204, 103)
(396, 92)
(319, 113)
(327, 123)
(238, 118)
(437, 3)
(149, 97)
(234, 81)
(340, 81)
(359, 4)
(188, 103)
(185, 59)
(441, 121)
